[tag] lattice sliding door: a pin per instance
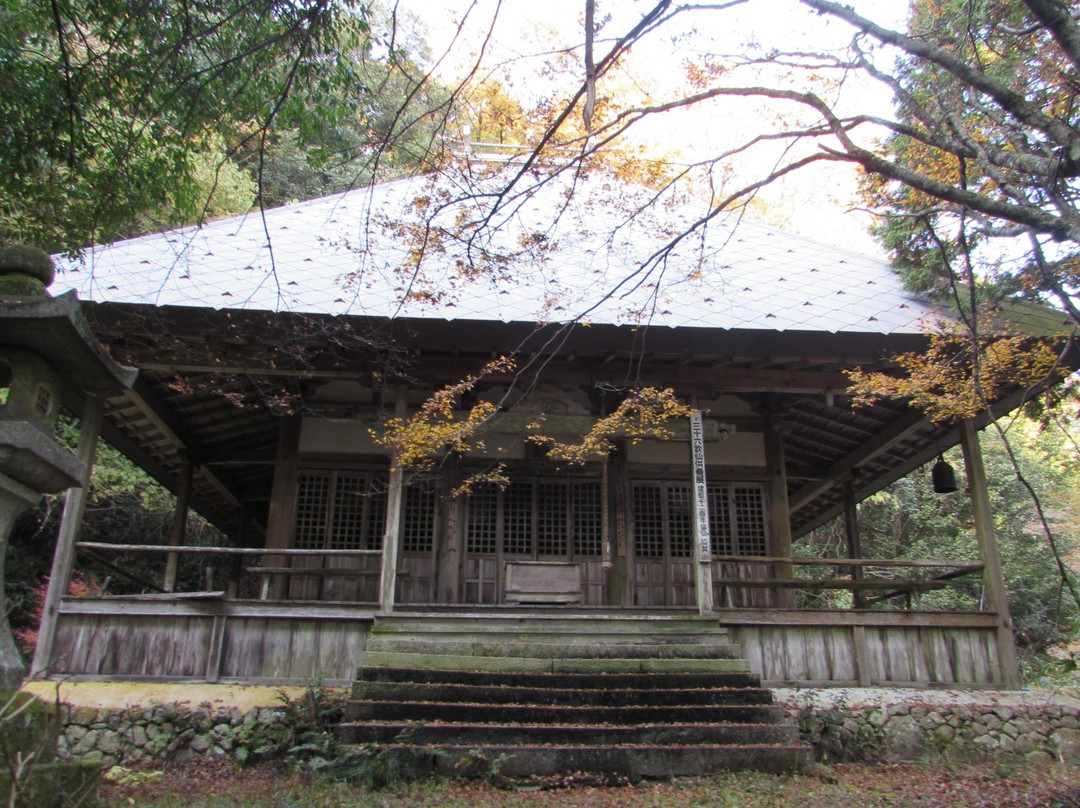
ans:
(416, 566)
(532, 519)
(480, 575)
(663, 545)
(663, 535)
(346, 510)
(737, 516)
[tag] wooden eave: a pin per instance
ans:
(214, 385)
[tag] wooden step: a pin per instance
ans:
(452, 733)
(520, 694)
(541, 649)
(569, 622)
(572, 681)
(548, 694)
(552, 629)
(561, 713)
(472, 662)
(554, 634)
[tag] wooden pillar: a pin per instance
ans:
(281, 516)
(618, 579)
(854, 542)
(179, 525)
(70, 521)
(779, 516)
(993, 580)
(394, 499)
(446, 580)
(607, 530)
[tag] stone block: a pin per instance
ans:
(878, 718)
(86, 743)
(944, 734)
(903, 740)
(988, 743)
(108, 743)
(199, 744)
(1028, 743)
(138, 736)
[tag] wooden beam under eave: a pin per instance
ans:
(257, 457)
(880, 443)
(165, 477)
(150, 406)
(581, 370)
(250, 370)
(798, 471)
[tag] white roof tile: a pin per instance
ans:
(732, 274)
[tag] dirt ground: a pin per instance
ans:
(839, 786)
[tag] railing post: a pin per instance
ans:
(64, 556)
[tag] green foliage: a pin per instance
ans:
(394, 131)
(105, 106)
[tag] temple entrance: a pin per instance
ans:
(534, 519)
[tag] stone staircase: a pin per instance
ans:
(622, 696)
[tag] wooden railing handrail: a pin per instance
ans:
(164, 548)
(967, 566)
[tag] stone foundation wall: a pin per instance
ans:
(877, 724)
(172, 732)
(868, 724)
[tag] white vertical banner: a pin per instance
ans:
(701, 497)
(699, 502)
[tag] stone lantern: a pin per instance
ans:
(48, 356)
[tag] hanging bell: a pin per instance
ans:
(943, 477)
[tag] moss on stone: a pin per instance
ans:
(21, 286)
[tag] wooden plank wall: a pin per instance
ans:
(131, 646)
(210, 647)
(850, 655)
(265, 642)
